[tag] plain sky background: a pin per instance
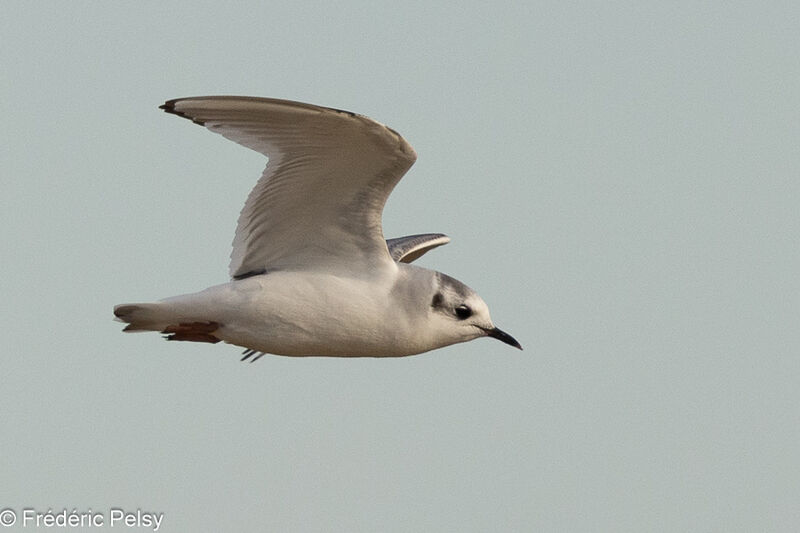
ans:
(620, 181)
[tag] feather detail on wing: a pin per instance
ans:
(320, 198)
(412, 247)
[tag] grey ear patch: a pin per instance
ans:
(412, 247)
(437, 300)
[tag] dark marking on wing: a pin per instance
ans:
(250, 274)
(350, 113)
(169, 107)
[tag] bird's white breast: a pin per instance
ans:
(302, 313)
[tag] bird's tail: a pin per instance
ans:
(162, 317)
(142, 317)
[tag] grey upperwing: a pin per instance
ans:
(412, 247)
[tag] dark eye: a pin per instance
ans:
(463, 312)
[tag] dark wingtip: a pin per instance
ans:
(169, 107)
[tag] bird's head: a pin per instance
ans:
(460, 315)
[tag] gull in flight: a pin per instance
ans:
(311, 273)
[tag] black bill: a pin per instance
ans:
(501, 335)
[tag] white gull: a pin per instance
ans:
(311, 272)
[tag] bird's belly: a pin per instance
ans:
(295, 315)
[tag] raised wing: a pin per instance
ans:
(412, 247)
(320, 199)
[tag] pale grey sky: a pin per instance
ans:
(620, 182)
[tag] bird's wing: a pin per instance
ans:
(319, 202)
(412, 247)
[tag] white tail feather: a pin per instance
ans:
(143, 317)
